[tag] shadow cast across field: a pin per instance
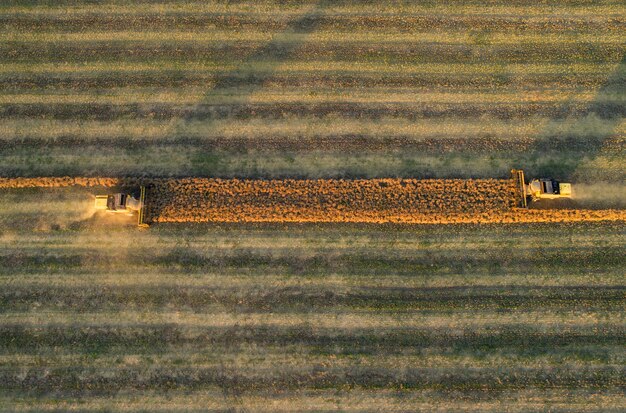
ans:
(580, 150)
(283, 45)
(559, 151)
(273, 54)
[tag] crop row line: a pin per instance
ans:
(354, 36)
(345, 110)
(285, 54)
(110, 20)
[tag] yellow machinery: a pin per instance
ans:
(542, 188)
(125, 203)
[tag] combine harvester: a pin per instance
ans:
(124, 203)
(542, 188)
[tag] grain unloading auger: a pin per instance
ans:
(124, 203)
(541, 188)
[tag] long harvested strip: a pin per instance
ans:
(57, 182)
(409, 201)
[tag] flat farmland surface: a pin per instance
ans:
(308, 89)
(97, 315)
(283, 317)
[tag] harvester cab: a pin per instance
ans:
(124, 202)
(542, 188)
(549, 189)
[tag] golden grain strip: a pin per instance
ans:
(56, 182)
(406, 201)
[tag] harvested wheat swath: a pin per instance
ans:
(53, 182)
(408, 201)
(325, 200)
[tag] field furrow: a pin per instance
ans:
(204, 112)
(106, 76)
(301, 50)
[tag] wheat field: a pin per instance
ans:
(307, 317)
(516, 316)
(312, 89)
